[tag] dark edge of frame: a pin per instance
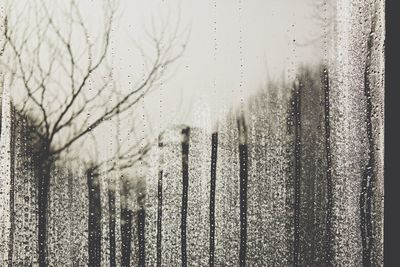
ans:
(392, 104)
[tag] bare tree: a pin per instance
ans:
(54, 61)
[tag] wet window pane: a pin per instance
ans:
(191, 133)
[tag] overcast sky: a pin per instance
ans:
(233, 47)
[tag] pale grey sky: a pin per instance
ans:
(232, 49)
(251, 38)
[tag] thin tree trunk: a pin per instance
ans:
(185, 182)
(159, 206)
(111, 225)
(126, 227)
(297, 172)
(329, 186)
(126, 236)
(94, 227)
(71, 199)
(44, 169)
(214, 150)
(12, 188)
(369, 173)
(243, 158)
(141, 220)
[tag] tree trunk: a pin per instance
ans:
(126, 227)
(126, 236)
(366, 195)
(12, 187)
(111, 225)
(141, 217)
(214, 151)
(243, 159)
(159, 208)
(185, 182)
(44, 169)
(329, 186)
(94, 227)
(297, 172)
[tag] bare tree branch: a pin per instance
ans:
(64, 105)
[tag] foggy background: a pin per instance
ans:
(264, 136)
(233, 48)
